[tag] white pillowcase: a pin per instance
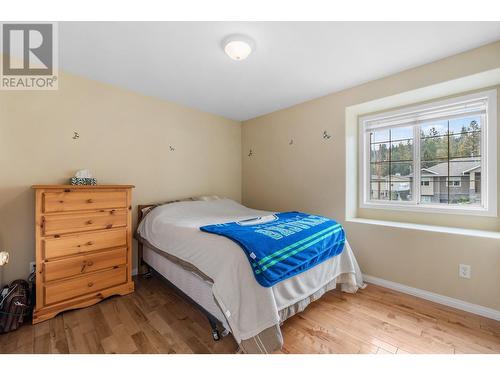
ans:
(204, 198)
(207, 198)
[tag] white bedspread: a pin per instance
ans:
(248, 307)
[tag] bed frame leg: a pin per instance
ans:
(215, 332)
(147, 273)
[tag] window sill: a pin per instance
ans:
(429, 208)
(427, 228)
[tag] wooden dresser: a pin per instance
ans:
(83, 246)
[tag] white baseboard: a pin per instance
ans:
(134, 272)
(434, 297)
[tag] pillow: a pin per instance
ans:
(146, 210)
(207, 198)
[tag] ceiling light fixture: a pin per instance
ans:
(238, 46)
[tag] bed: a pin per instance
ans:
(213, 272)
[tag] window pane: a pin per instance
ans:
(458, 182)
(427, 188)
(466, 124)
(379, 190)
(402, 169)
(436, 192)
(434, 148)
(379, 136)
(465, 165)
(401, 189)
(464, 181)
(434, 172)
(391, 164)
(380, 152)
(465, 145)
(402, 150)
(379, 170)
(458, 189)
(401, 133)
(434, 167)
(433, 129)
(379, 181)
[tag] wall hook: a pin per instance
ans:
(172, 148)
(76, 135)
(291, 142)
(250, 153)
(326, 135)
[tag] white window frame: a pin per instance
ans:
(488, 205)
(453, 179)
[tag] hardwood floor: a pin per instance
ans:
(155, 319)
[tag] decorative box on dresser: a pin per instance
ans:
(83, 246)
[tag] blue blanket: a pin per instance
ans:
(285, 244)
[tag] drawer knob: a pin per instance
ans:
(90, 201)
(90, 285)
(109, 226)
(90, 243)
(90, 263)
(89, 222)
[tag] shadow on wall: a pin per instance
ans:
(17, 230)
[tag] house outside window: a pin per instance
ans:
(436, 157)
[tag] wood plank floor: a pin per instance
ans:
(155, 319)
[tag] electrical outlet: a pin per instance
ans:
(464, 271)
(32, 267)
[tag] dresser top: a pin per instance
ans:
(83, 187)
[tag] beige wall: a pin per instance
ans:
(124, 139)
(310, 175)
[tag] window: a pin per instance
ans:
(432, 157)
(454, 182)
(426, 199)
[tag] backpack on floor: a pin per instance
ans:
(15, 305)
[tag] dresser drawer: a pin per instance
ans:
(76, 200)
(80, 222)
(63, 290)
(83, 243)
(83, 264)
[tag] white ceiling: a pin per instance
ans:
(293, 62)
